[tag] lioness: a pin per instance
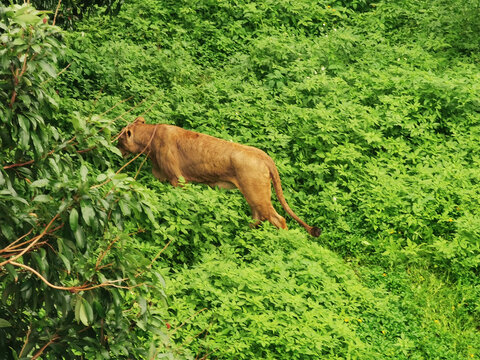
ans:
(176, 152)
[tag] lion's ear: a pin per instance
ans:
(139, 120)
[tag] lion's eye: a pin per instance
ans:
(129, 133)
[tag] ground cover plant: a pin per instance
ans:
(371, 112)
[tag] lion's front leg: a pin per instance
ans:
(159, 174)
(174, 181)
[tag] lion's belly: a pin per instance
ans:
(208, 172)
(223, 185)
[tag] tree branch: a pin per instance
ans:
(56, 12)
(51, 341)
(75, 289)
(35, 240)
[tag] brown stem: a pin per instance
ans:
(191, 317)
(75, 289)
(36, 239)
(11, 245)
(56, 12)
(26, 342)
(12, 99)
(51, 341)
(86, 150)
(113, 107)
(102, 255)
(58, 74)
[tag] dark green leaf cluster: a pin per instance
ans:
(29, 47)
(72, 281)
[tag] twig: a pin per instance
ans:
(119, 170)
(113, 107)
(205, 357)
(27, 162)
(26, 341)
(58, 74)
(111, 283)
(36, 239)
(95, 103)
(191, 317)
(51, 341)
(26, 267)
(102, 255)
(150, 108)
(129, 110)
(10, 246)
(190, 339)
(56, 12)
(140, 168)
(159, 253)
(154, 259)
(18, 165)
(86, 150)
(75, 289)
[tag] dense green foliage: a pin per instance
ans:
(72, 281)
(372, 114)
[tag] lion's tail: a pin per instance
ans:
(277, 185)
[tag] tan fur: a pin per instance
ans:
(176, 152)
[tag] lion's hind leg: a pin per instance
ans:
(258, 196)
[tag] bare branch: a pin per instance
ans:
(75, 289)
(56, 12)
(26, 341)
(35, 240)
(11, 245)
(102, 255)
(51, 341)
(191, 317)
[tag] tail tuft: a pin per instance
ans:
(315, 231)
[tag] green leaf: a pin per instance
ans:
(88, 214)
(24, 138)
(49, 69)
(143, 305)
(79, 237)
(27, 19)
(66, 262)
(99, 309)
(39, 183)
(37, 143)
(42, 198)
(40, 262)
(83, 172)
(80, 311)
(78, 122)
(4, 323)
(82, 314)
(101, 178)
(23, 121)
(116, 298)
(88, 312)
(73, 219)
(11, 270)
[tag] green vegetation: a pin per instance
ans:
(371, 112)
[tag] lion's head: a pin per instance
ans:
(126, 140)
